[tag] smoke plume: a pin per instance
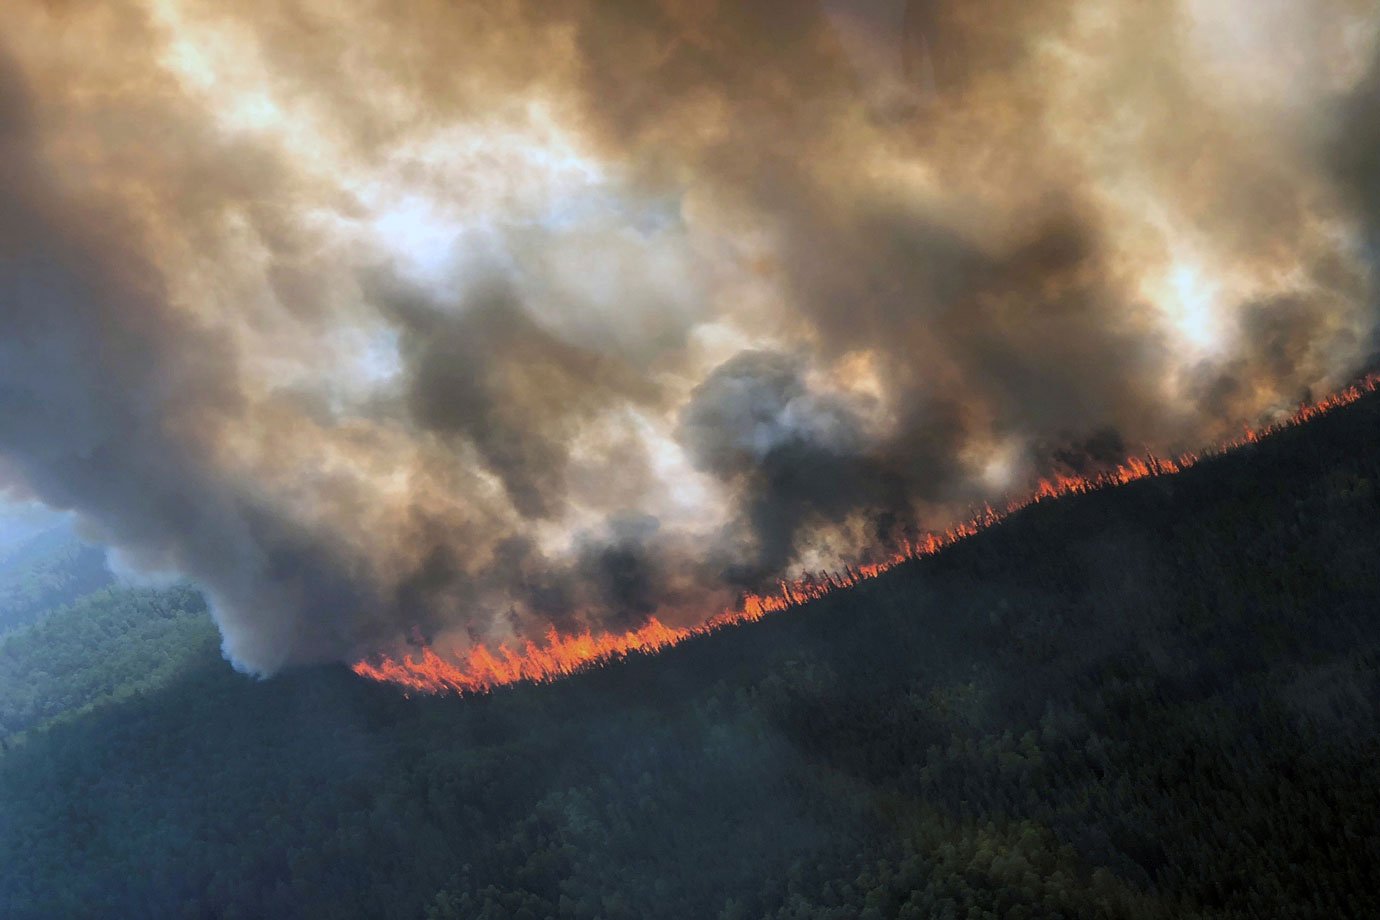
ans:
(460, 321)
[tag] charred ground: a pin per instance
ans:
(1153, 701)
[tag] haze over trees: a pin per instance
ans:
(1154, 701)
(44, 570)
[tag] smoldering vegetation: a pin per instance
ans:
(568, 315)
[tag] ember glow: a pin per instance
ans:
(439, 325)
(557, 656)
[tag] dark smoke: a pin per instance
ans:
(1355, 157)
(575, 314)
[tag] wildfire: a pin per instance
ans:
(483, 669)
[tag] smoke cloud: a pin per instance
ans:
(462, 321)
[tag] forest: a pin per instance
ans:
(1154, 701)
(44, 572)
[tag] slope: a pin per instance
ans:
(1153, 701)
(45, 571)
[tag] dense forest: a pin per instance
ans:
(1152, 701)
(44, 572)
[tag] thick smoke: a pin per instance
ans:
(468, 320)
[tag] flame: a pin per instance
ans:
(483, 669)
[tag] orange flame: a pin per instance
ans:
(483, 669)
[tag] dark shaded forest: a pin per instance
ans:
(1154, 701)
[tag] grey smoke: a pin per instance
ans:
(571, 316)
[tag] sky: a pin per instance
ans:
(458, 322)
(21, 521)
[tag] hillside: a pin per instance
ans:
(1153, 701)
(45, 571)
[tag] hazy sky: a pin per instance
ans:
(19, 521)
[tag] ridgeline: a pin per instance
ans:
(1157, 701)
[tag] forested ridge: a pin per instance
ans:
(1153, 701)
(50, 569)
